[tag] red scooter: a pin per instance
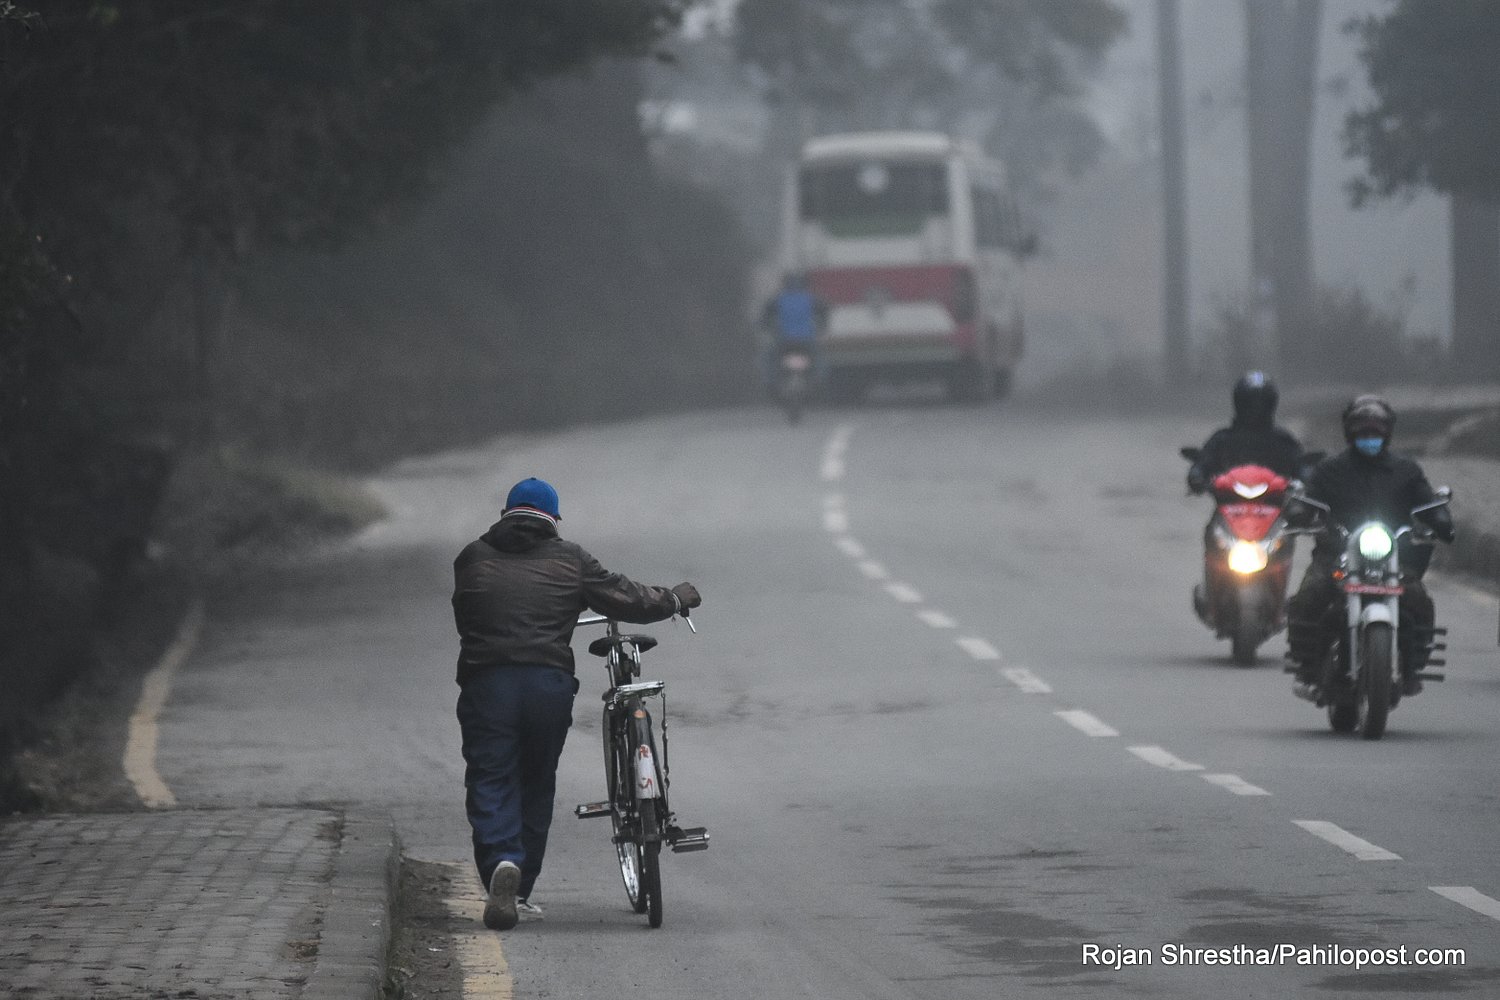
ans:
(1247, 559)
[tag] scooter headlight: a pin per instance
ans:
(1375, 543)
(1247, 557)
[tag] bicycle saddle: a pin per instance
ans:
(601, 645)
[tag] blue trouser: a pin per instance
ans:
(514, 721)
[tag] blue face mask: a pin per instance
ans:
(1369, 446)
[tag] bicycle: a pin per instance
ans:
(635, 777)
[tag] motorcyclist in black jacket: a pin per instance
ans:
(1252, 438)
(1364, 482)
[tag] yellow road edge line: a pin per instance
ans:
(485, 970)
(141, 739)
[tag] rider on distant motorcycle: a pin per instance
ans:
(795, 317)
(1364, 482)
(1251, 439)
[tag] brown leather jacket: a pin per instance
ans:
(518, 591)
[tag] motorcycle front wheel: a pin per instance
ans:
(1243, 644)
(1375, 680)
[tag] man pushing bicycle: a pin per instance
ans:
(517, 592)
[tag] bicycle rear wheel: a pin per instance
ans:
(650, 858)
(653, 814)
(619, 771)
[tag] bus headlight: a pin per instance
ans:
(1247, 557)
(1375, 543)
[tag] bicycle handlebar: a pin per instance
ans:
(595, 618)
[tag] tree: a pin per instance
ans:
(1434, 124)
(1281, 49)
(1004, 71)
(160, 144)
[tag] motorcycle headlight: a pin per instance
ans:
(1247, 557)
(1375, 543)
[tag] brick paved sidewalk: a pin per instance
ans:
(199, 905)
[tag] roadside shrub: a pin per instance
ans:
(1351, 340)
(226, 506)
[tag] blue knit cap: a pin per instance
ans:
(533, 495)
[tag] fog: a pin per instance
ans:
(1093, 295)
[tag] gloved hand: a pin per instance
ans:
(1197, 482)
(687, 596)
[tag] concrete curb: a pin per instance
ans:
(359, 913)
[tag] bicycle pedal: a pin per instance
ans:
(591, 810)
(692, 839)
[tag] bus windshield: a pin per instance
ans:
(873, 197)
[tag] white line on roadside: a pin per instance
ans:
(1467, 895)
(873, 569)
(1086, 724)
(1164, 759)
(1341, 838)
(833, 501)
(1234, 783)
(143, 732)
(836, 521)
(1028, 682)
(977, 648)
(486, 973)
(850, 547)
(903, 593)
(936, 618)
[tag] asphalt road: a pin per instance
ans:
(949, 719)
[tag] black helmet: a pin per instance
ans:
(1255, 398)
(1369, 414)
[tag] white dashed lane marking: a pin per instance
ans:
(903, 593)
(850, 547)
(833, 454)
(1086, 723)
(936, 618)
(1467, 895)
(977, 648)
(1341, 838)
(1027, 681)
(836, 521)
(1234, 783)
(1161, 758)
(873, 569)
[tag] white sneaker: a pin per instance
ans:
(527, 910)
(500, 905)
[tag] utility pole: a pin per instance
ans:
(1173, 197)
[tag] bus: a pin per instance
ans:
(913, 242)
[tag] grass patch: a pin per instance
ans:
(225, 507)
